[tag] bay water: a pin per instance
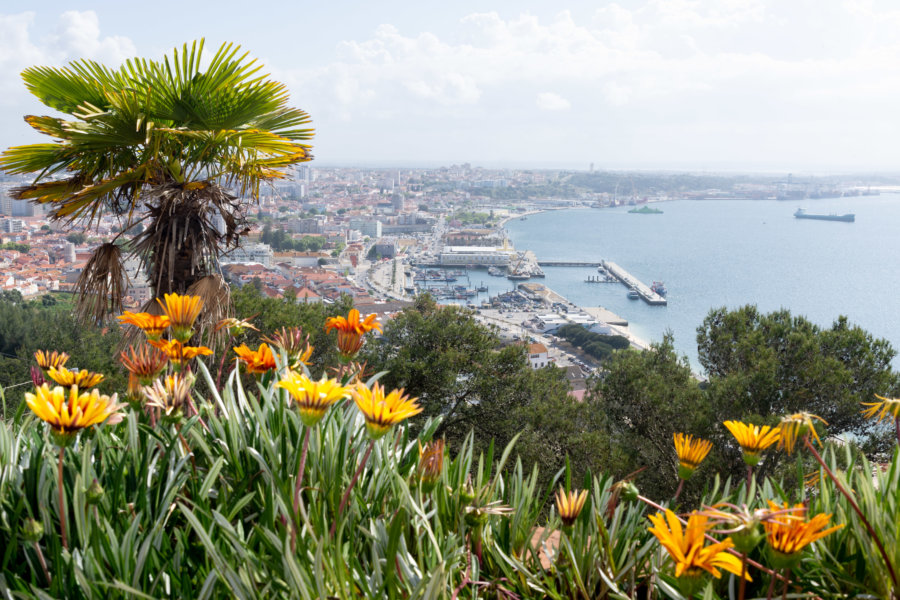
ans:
(729, 253)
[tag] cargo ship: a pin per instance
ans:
(847, 218)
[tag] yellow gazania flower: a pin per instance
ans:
(178, 353)
(83, 378)
(153, 326)
(569, 505)
(790, 533)
(686, 546)
(182, 312)
(383, 411)
(797, 426)
(169, 395)
(236, 327)
(258, 361)
(351, 331)
(69, 411)
(144, 363)
(887, 407)
(313, 397)
(46, 359)
(431, 464)
(691, 452)
(744, 523)
(753, 439)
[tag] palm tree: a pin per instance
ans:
(166, 144)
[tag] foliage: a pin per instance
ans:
(26, 327)
(209, 506)
(278, 239)
(452, 363)
(598, 345)
(645, 398)
(767, 364)
(77, 237)
(167, 144)
(269, 314)
(472, 217)
(15, 246)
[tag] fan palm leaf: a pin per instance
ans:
(167, 140)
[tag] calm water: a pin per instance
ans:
(729, 253)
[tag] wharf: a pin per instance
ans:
(643, 290)
(566, 263)
(607, 316)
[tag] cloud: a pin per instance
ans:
(551, 101)
(76, 35)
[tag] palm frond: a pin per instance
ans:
(101, 285)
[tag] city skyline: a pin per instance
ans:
(744, 85)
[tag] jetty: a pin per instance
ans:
(632, 282)
(566, 263)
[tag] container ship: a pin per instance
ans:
(802, 214)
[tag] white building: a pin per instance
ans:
(484, 256)
(249, 253)
(538, 356)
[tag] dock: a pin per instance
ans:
(566, 263)
(643, 290)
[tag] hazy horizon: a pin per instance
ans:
(740, 86)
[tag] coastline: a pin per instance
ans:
(614, 321)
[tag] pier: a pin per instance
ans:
(564, 263)
(643, 290)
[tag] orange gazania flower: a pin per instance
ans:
(178, 353)
(83, 378)
(687, 547)
(182, 312)
(351, 330)
(258, 361)
(144, 363)
(790, 533)
(153, 326)
(383, 411)
(46, 359)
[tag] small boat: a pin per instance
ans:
(633, 294)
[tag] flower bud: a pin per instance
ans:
(32, 530)
(94, 492)
(630, 492)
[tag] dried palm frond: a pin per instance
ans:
(216, 296)
(101, 285)
(181, 243)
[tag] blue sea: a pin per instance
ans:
(729, 253)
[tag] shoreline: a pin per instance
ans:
(598, 312)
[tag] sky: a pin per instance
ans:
(700, 85)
